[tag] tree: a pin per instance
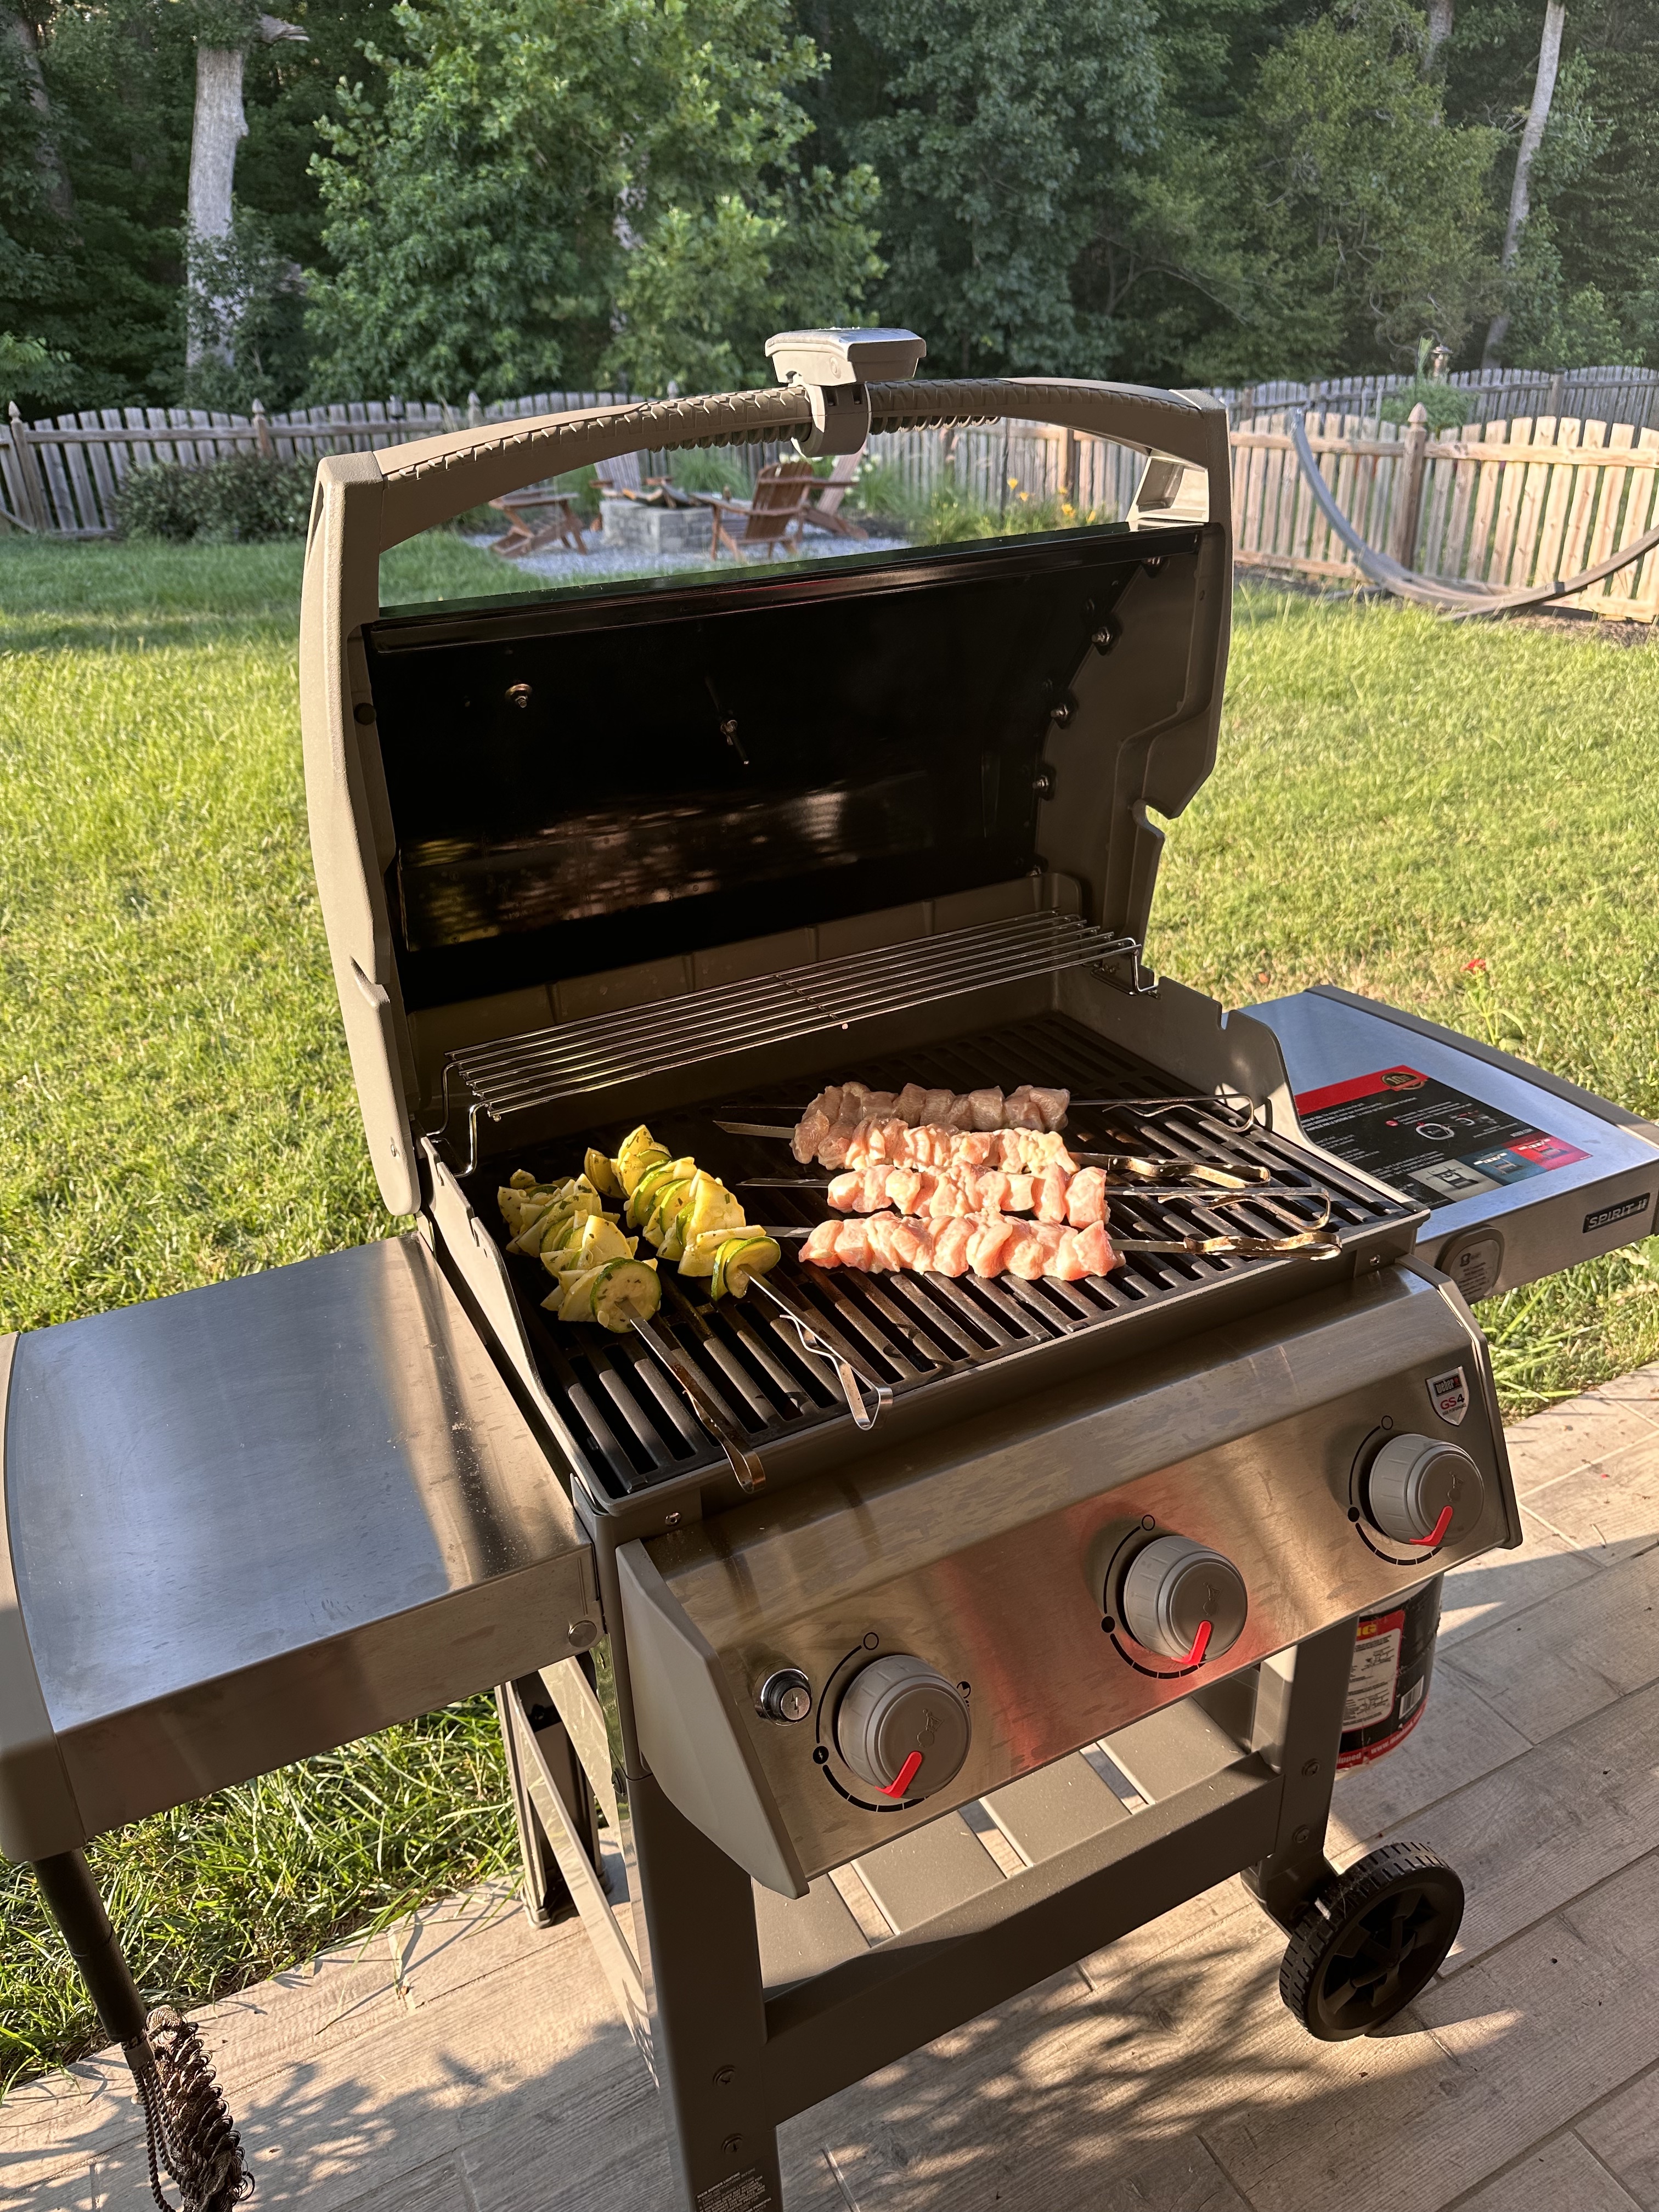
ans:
(1001, 127)
(555, 190)
(1532, 137)
(228, 272)
(1363, 210)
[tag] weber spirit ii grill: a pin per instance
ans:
(873, 1647)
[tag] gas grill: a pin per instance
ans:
(872, 1647)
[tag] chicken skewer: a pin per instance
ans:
(943, 1194)
(1014, 1151)
(843, 1106)
(986, 1244)
(990, 1245)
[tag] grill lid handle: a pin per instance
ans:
(835, 366)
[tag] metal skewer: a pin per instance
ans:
(1129, 1163)
(750, 1474)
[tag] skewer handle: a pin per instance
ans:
(865, 1394)
(750, 1474)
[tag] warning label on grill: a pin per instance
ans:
(1375, 1669)
(1428, 1139)
(744, 2192)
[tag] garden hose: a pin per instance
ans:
(188, 2130)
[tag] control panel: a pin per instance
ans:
(923, 1630)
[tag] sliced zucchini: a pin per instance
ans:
(701, 1252)
(638, 1152)
(626, 1289)
(642, 1198)
(595, 1242)
(611, 1295)
(579, 1199)
(602, 1173)
(711, 1205)
(563, 1241)
(520, 1202)
(573, 1300)
(672, 1208)
(667, 1198)
(741, 1258)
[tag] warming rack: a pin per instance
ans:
(540, 1068)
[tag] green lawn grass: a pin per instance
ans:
(1398, 798)
(1394, 799)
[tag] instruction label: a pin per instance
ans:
(1375, 1670)
(744, 2192)
(1432, 1141)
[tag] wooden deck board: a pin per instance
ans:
(469, 2063)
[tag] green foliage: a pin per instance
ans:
(30, 371)
(951, 514)
(244, 311)
(1002, 126)
(1586, 283)
(223, 1892)
(1364, 214)
(1444, 406)
(719, 469)
(553, 191)
(246, 498)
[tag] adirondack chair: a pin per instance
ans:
(620, 478)
(536, 519)
(779, 506)
(823, 509)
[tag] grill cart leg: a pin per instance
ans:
(1299, 1699)
(702, 1975)
(1363, 1943)
(188, 2130)
(546, 1893)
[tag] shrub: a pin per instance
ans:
(244, 499)
(1446, 408)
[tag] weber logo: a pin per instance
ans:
(1624, 1211)
(1449, 1393)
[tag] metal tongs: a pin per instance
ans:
(750, 1474)
(865, 1394)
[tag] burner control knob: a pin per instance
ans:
(1183, 1600)
(903, 1727)
(1420, 1491)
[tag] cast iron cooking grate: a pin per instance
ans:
(632, 1422)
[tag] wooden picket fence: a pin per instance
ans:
(1599, 395)
(1511, 503)
(63, 477)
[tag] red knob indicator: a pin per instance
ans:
(906, 1775)
(1200, 1644)
(1439, 1530)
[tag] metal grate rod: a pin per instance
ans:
(542, 1067)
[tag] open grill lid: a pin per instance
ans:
(513, 805)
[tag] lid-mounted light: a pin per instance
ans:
(836, 367)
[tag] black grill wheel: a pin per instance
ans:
(1371, 1941)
